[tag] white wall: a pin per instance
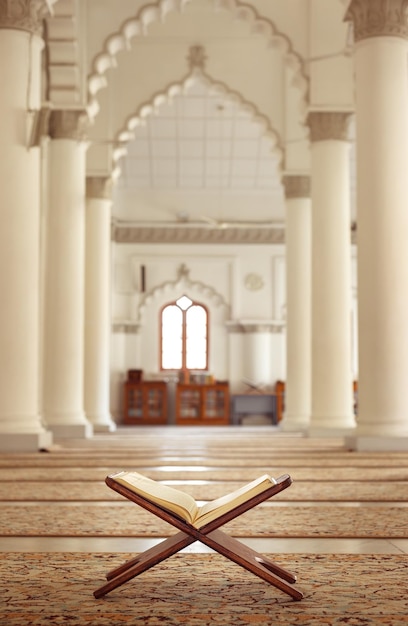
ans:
(219, 276)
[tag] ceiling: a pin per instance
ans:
(201, 141)
(199, 107)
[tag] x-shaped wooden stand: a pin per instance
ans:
(208, 535)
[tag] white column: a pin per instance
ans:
(21, 427)
(381, 53)
(257, 352)
(97, 303)
(298, 303)
(332, 398)
(63, 372)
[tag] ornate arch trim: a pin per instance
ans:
(157, 11)
(183, 282)
(196, 76)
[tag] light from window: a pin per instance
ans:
(184, 335)
(196, 338)
(172, 337)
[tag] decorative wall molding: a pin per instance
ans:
(200, 234)
(254, 282)
(179, 233)
(325, 125)
(196, 58)
(67, 124)
(157, 11)
(25, 15)
(183, 283)
(256, 326)
(296, 186)
(378, 18)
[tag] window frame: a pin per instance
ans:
(184, 367)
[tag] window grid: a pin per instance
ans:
(184, 335)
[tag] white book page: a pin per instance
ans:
(233, 499)
(163, 495)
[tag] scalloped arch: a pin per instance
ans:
(196, 76)
(157, 11)
(183, 282)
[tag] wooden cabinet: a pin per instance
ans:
(202, 405)
(145, 403)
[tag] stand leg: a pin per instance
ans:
(252, 561)
(276, 569)
(151, 552)
(144, 561)
(238, 546)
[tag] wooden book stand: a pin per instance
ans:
(208, 535)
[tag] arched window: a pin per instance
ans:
(184, 335)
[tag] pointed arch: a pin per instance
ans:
(196, 76)
(183, 283)
(157, 11)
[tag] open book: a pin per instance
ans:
(184, 505)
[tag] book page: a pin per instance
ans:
(215, 508)
(166, 497)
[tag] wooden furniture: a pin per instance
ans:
(202, 405)
(253, 404)
(208, 535)
(280, 399)
(145, 403)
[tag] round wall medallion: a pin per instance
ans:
(253, 282)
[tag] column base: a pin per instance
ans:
(325, 432)
(302, 429)
(71, 431)
(101, 423)
(25, 442)
(104, 428)
(367, 443)
(292, 423)
(333, 422)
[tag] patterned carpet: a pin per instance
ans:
(203, 590)
(129, 520)
(335, 494)
(208, 473)
(97, 491)
(225, 458)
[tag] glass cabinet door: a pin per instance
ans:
(145, 403)
(190, 403)
(154, 402)
(135, 402)
(214, 405)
